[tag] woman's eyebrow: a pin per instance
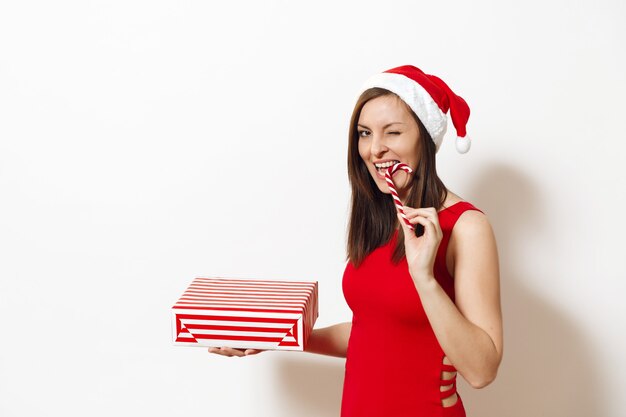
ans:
(384, 127)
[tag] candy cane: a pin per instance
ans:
(388, 174)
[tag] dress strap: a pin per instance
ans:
(447, 219)
(448, 216)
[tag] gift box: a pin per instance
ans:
(245, 313)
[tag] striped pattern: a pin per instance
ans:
(388, 174)
(245, 313)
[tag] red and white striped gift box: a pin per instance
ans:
(246, 313)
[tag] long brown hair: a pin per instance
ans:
(372, 212)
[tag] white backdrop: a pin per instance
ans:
(143, 143)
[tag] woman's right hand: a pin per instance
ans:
(227, 351)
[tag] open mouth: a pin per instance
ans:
(382, 168)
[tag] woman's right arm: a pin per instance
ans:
(331, 341)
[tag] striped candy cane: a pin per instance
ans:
(388, 174)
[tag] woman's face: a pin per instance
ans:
(388, 133)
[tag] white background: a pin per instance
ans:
(143, 143)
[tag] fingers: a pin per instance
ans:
(427, 223)
(227, 351)
(403, 221)
(427, 211)
(430, 213)
(431, 227)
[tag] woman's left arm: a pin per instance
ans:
(470, 332)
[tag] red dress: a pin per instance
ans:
(394, 362)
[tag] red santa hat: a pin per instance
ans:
(430, 98)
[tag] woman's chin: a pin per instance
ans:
(384, 190)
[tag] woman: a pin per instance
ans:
(425, 302)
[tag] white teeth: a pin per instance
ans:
(386, 164)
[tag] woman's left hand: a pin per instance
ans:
(421, 251)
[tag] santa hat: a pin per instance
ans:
(430, 98)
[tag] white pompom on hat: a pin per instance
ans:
(430, 98)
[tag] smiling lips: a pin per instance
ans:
(382, 167)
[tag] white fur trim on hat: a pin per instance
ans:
(412, 93)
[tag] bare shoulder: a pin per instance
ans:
(472, 238)
(472, 222)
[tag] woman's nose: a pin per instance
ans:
(378, 145)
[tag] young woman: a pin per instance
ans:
(425, 302)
